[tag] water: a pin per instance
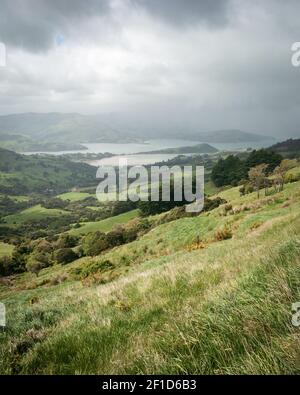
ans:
(140, 150)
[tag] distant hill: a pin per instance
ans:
(227, 136)
(56, 131)
(21, 174)
(67, 131)
(194, 149)
(289, 147)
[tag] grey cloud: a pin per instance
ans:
(34, 24)
(184, 12)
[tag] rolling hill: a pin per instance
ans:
(62, 131)
(20, 174)
(57, 131)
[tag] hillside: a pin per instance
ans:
(57, 131)
(20, 174)
(290, 147)
(64, 131)
(194, 149)
(209, 294)
(227, 136)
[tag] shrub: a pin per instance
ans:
(58, 279)
(65, 255)
(92, 268)
(35, 267)
(6, 266)
(44, 246)
(224, 233)
(94, 243)
(66, 241)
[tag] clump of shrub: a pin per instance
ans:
(35, 266)
(66, 241)
(290, 178)
(224, 233)
(65, 255)
(100, 278)
(93, 267)
(95, 243)
(58, 279)
(256, 225)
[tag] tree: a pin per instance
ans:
(263, 156)
(228, 171)
(257, 176)
(281, 171)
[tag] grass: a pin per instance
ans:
(222, 308)
(33, 213)
(105, 225)
(6, 249)
(210, 188)
(75, 196)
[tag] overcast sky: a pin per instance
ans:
(203, 65)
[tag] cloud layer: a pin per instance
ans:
(155, 64)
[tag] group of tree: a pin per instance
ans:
(35, 255)
(232, 170)
(259, 177)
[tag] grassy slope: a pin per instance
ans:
(33, 213)
(105, 225)
(5, 249)
(21, 174)
(225, 308)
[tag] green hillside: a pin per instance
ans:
(57, 131)
(208, 294)
(33, 213)
(21, 174)
(104, 225)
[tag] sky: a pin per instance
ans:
(184, 64)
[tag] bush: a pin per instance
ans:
(6, 266)
(44, 246)
(65, 255)
(92, 268)
(37, 261)
(94, 243)
(223, 234)
(66, 241)
(115, 237)
(34, 267)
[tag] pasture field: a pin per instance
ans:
(105, 225)
(33, 213)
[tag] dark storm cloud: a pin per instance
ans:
(184, 12)
(34, 24)
(171, 64)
